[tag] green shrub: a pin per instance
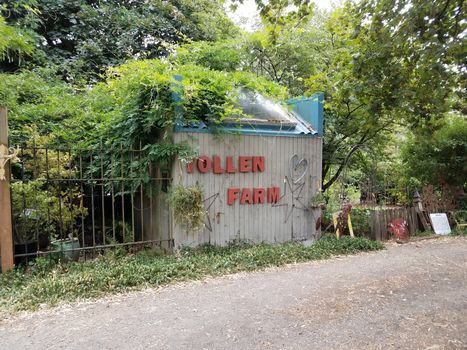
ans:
(48, 282)
(459, 231)
(40, 207)
(361, 222)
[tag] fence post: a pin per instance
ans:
(6, 228)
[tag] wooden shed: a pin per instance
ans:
(258, 174)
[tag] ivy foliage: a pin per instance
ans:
(135, 108)
(41, 98)
(136, 104)
(145, 99)
(141, 102)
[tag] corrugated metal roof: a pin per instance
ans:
(265, 117)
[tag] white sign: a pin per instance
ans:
(440, 223)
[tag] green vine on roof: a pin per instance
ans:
(136, 107)
(143, 101)
(147, 99)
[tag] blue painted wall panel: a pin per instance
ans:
(310, 109)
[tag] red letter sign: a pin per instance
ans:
(189, 167)
(230, 167)
(244, 164)
(204, 164)
(232, 195)
(273, 194)
(246, 196)
(258, 164)
(217, 165)
(258, 195)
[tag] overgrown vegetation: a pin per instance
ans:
(377, 97)
(444, 154)
(361, 222)
(459, 231)
(135, 108)
(48, 283)
(106, 75)
(82, 38)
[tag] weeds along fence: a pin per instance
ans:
(78, 202)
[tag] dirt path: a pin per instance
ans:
(411, 296)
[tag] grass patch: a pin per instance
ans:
(459, 231)
(422, 234)
(456, 231)
(48, 283)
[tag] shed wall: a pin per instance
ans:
(289, 219)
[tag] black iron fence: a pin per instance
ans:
(75, 203)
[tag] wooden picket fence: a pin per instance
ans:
(381, 218)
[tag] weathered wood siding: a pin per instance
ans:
(290, 219)
(155, 216)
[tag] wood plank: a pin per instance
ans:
(262, 211)
(6, 227)
(246, 181)
(374, 224)
(413, 219)
(378, 218)
(387, 219)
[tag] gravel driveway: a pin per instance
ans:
(411, 296)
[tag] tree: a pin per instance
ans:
(420, 45)
(15, 44)
(84, 37)
(277, 15)
(295, 53)
(440, 158)
(389, 63)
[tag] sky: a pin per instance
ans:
(246, 14)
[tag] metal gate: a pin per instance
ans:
(76, 202)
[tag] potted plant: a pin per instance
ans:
(29, 214)
(68, 248)
(38, 214)
(26, 235)
(318, 201)
(68, 244)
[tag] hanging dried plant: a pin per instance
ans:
(187, 206)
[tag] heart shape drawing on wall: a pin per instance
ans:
(298, 168)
